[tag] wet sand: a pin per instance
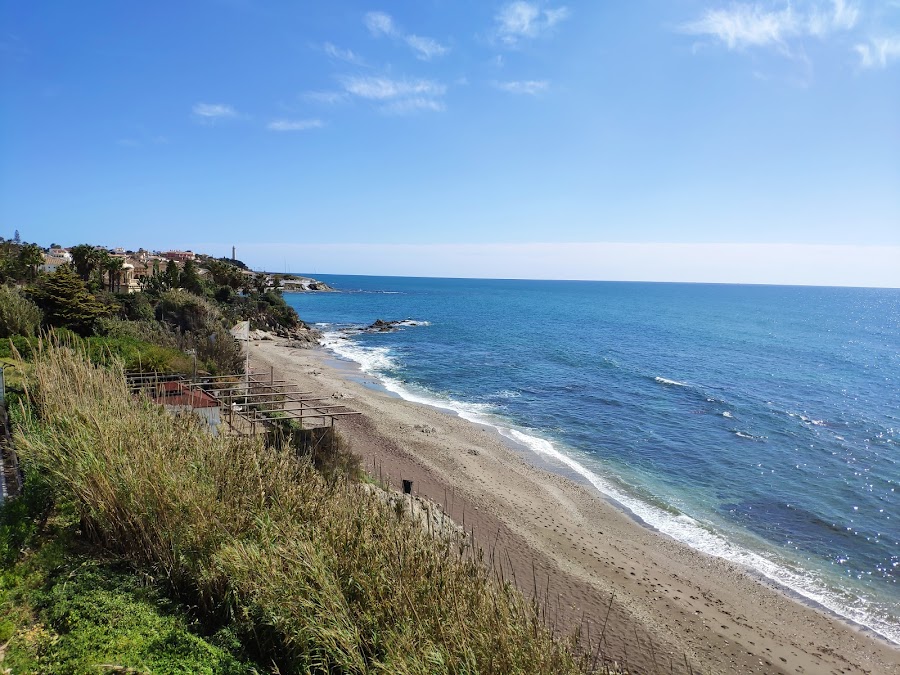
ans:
(659, 606)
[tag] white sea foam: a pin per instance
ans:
(671, 383)
(703, 538)
(680, 527)
(727, 414)
(371, 360)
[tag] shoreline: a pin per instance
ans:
(595, 555)
(354, 372)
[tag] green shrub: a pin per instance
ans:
(18, 314)
(18, 343)
(135, 354)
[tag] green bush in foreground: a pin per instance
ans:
(62, 612)
(18, 314)
(312, 575)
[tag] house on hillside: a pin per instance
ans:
(179, 256)
(51, 262)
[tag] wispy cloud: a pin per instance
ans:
(878, 52)
(327, 97)
(529, 87)
(405, 106)
(744, 25)
(525, 20)
(398, 96)
(210, 112)
(294, 125)
(425, 48)
(381, 88)
(381, 24)
(346, 55)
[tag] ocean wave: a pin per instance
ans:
(671, 383)
(685, 529)
(808, 420)
(371, 360)
(679, 526)
(727, 414)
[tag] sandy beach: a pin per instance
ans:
(659, 605)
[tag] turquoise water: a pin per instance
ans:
(757, 423)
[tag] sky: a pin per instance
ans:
(663, 140)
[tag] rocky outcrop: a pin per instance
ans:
(302, 337)
(382, 326)
(304, 285)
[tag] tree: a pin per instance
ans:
(30, 259)
(66, 301)
(85, 258)
(224, 274)
(173, 275)
(17, 238)
(260, 283)
(113, 267)
(190, 278)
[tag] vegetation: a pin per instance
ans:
(19, 261)
(63, 610)
(18, 314)
(309, 574)
(67, 302)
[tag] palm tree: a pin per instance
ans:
(113, 268)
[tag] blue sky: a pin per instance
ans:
(453, 136)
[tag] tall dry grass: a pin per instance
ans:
(315, 575)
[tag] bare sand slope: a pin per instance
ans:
(659, 605)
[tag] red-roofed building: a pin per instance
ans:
(178, 397)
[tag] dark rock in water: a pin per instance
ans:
(382, 326)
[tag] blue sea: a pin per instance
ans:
(756, 423)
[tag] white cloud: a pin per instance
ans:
(878, 52)
(425, 47)
(405, 106)
(294, 125)
(744, 25)
(398, 96)
(530, 87)
(382, 24)
(381, 88)
(213, 111)
(342, 54)
(518, 20)
(842, 16)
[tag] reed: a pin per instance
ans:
(315, 575)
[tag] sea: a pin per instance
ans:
(760, 424)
